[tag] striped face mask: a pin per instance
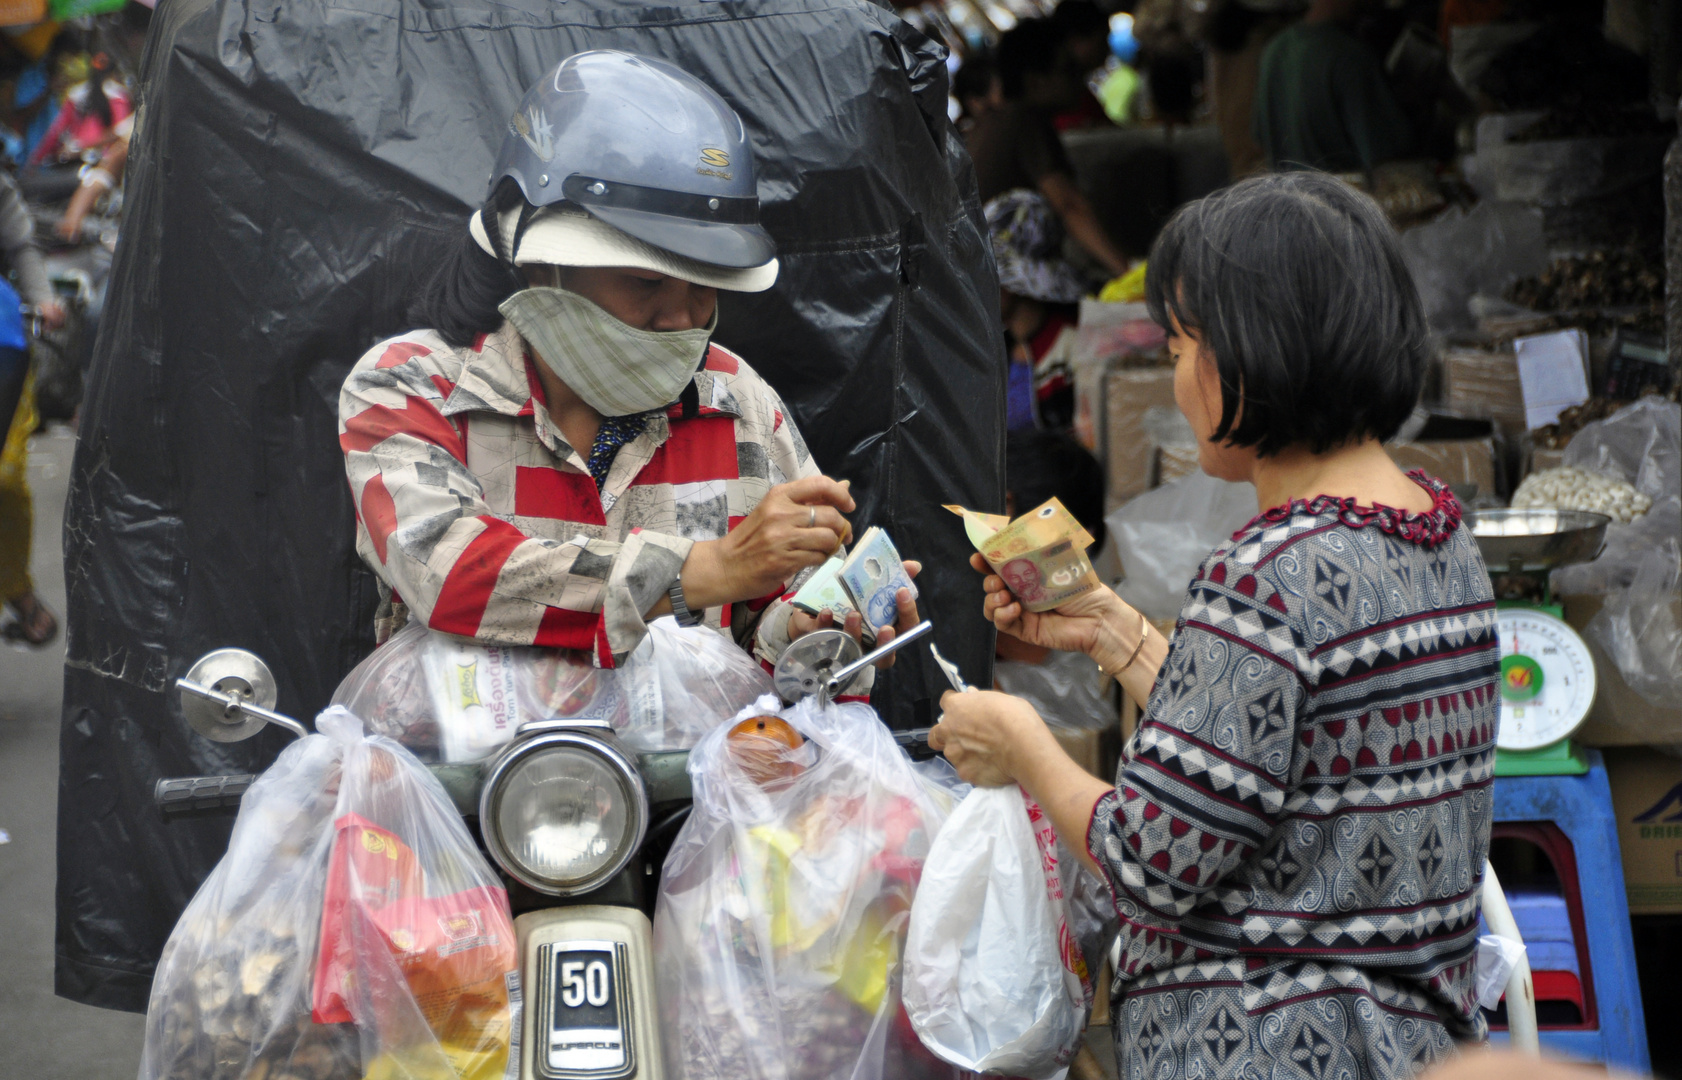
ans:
(617, 369)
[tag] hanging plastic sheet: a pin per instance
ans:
(298, 166)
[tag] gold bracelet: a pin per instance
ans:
(1144, 632)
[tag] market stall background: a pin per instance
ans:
(297, 168)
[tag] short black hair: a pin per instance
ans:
(1042, 464)
(1295, 282)
(1031, 46)
(974, 78)
(1079, 17)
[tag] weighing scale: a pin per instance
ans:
(1547, 673)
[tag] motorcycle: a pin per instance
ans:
(585, 940)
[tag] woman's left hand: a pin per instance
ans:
(905, 617)
(985, 735)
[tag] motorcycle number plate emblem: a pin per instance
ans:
(585, 1011)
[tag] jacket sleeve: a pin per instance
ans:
(17, 239)
(424, 526)
(1207, 773)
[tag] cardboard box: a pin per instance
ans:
(1466, 465)
(1477, 382)
(1619, 716)
(1128, 450)
(1647, 799)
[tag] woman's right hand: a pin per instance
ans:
(795, 526)
(1077, 626)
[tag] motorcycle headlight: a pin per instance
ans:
(563, 812)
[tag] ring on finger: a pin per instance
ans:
(811, 516)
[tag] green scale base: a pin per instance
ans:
(1563, 758)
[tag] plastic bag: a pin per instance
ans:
(451, 699)
(1460, 253)
(784, 900)
(352, 890)
(1639, 629)
(1066, 689)
(1164, 535)
(1641, 444)
(994, 978)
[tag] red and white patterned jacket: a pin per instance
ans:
(478, 515)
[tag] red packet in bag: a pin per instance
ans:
(454, 951)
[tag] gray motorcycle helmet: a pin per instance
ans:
(642, 146)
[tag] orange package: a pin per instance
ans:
(456, 952)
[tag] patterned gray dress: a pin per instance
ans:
(1297, 836)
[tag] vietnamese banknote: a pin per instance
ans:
(1041, 555)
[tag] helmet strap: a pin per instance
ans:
(527, 212)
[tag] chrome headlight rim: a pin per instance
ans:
(603, 746)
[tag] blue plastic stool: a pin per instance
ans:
(1571, 819)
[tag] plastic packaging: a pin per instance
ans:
(1066, 688)
(1497, 956)
(1164, 535)
(784, 899)
(1460, 254)
(994, 978)
(1641, 444)
(449, 699)
(351, 930)
(1639, 628)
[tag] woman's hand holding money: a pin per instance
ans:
(1098, 623)
(905, 617)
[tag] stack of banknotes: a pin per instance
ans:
(1041, 555)
(867, 581)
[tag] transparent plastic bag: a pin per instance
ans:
(995, 980)
(455, 700)
(784, 899)
(1640, 444)
(1639, 629)
(1164, 535)
(1066, 689)
(352, 932)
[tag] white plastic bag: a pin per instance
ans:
(783, 902)
(352, 931)
(1497, 956)
(994, 978)
(455, 700)
(1164, 535)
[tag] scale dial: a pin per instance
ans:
(1547, 679)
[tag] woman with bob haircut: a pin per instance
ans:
(1296, 838)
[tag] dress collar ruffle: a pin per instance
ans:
(1428, 529)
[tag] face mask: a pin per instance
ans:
(617, 369)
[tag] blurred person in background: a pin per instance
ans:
(88, 120)
(1321, 98)
(1016, 147)
(1170, 59)
(1237, 33)
(1086, 49)
(977, 88)
(1039, 294)
(27, 620)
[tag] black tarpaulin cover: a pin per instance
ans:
(298, 164)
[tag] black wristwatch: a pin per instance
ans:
(680, 610)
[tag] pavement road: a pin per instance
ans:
(43, 1037)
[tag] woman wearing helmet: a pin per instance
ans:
(564, 453)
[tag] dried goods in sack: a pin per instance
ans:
(995, 979)
(784, 901)
(351, 932)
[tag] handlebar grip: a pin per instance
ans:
(201, 794)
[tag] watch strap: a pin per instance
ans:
(680, 610)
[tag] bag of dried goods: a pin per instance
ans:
(455, 700)
(352, 932)
(783, 905)
(995, 980)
